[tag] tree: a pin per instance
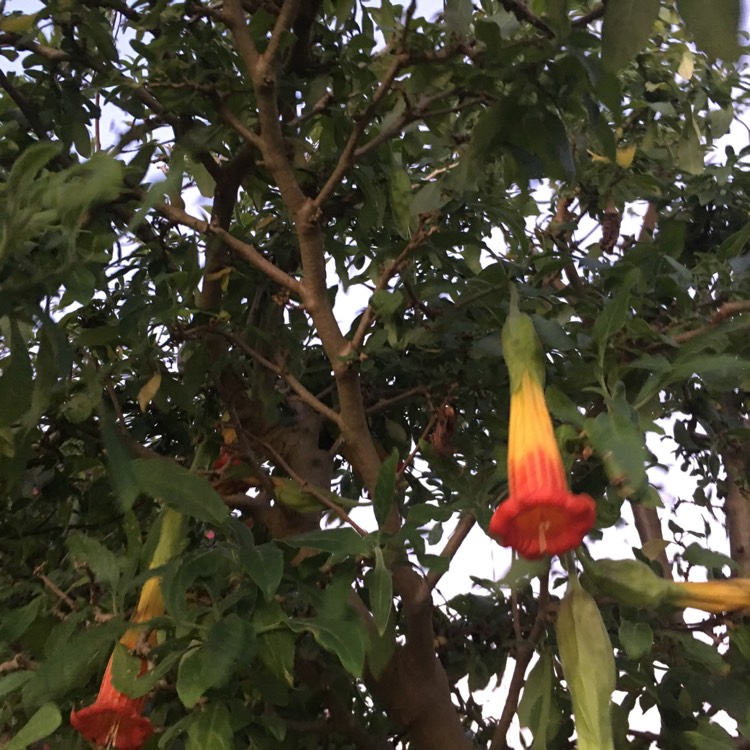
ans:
(188, 188)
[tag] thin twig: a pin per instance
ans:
(307, 487)
(239, 127)
(54, 588)
(387, 403)
(524, 652)
(725, 311)
(522, 13)
(394, 267)
(456, 539)
(243, 249)
(304, 395)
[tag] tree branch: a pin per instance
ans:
(593, 15)
(284, 20)
(348, 154)
(414, 686)
(727, 310)
(313, 290)
(457, 538)
(394, 267)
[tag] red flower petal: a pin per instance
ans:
(537, 526)
(114, 720)
(122, 728)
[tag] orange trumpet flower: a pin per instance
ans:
(115, 720)
(541, 516)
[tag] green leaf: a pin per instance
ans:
(534, 710)
(28, 164)
(636, 638)
(119, 462)
(690, 151)
(212, 731)
(401, 197)
(187, 493)
(212, 663)
(626, 28)
(40, 725)
(345, 638)
(11, 682)
(15, 622)
(344, 541)
(615, 313)
(458, 16)
(733, 245)
(276, 651)
(103, 562)
(380, 586)
(714, 32)
(621, 446)
(127, 676)
(17, 380)
(265, 565)
(695, 554)
(385, 488)
(386, 303)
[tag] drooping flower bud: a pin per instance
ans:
(588, 665)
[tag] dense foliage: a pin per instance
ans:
(187, 189)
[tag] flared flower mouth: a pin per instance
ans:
(114, 720)
(108, 727)
(538, 526)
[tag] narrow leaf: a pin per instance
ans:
(385, 488)
(380, 585)
(179, 489)
(40, 725)
(17, 380)
(148, 391)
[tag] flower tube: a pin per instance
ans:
(541, 516)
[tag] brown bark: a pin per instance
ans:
(414, 687)
(737, 505)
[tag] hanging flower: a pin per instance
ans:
(711, 596)
(115, 720)
(541, 516)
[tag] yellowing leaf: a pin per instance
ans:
(223, 275)
(17, 24)
(624, 157)
(147, 393)
(685, 69)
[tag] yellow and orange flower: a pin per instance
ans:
(115, 720)
(541, 516)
